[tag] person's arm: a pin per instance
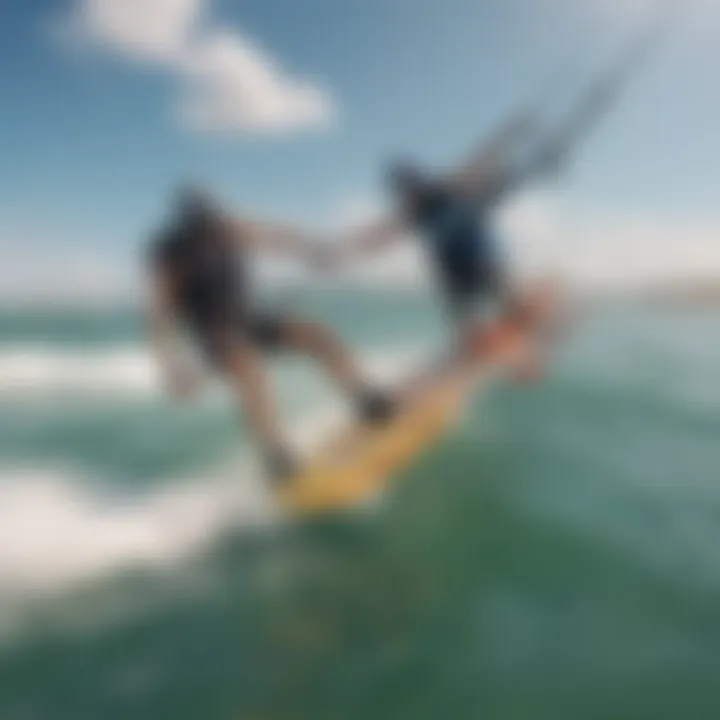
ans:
(481, 170)
(370, 239)
(552, 153)
(269, 237)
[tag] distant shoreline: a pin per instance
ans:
(680, 293)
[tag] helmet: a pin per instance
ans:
(194, 203)
(405, 176)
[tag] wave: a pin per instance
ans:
(27, 370)
(123, 370)
(57, 531)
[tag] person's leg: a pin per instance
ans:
(486, 323)
(324, 346)
(502, 331)
(540, 315)
(244, 367)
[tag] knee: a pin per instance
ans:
(315, 339)
(240, 362)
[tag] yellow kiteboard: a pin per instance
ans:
(358, 465)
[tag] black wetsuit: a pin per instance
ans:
(210, 286)
(460, 244)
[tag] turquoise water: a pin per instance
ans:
(557, 557)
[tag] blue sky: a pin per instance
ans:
(292, 107)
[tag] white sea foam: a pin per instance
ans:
(27, 370)
(57, 531)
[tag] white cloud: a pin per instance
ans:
(598, 247)
(229, 84)
(540, 233)
(139, 29)
(233, 86)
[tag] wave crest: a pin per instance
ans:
(37, 369)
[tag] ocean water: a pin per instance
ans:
(558, 556)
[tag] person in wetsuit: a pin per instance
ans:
(201, 284)
(452, 215)
(455, 234)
